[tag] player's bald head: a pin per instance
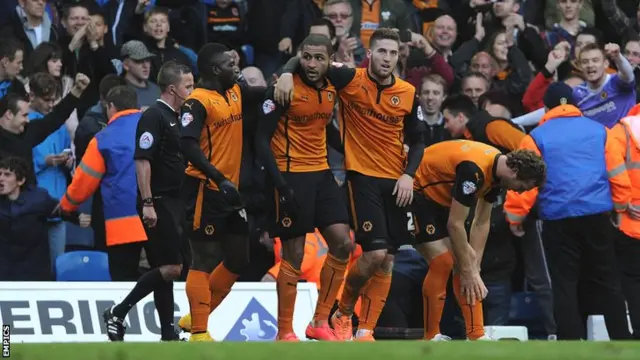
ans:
(209, 56)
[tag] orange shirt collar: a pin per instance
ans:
(560, 111)
(122, 113)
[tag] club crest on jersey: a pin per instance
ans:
(604, 95)
(286, 222)
(395, 100)
(431, 229)
(234, 11)
(186, 119)
(468, 187)
(234, 97)
(209, 230)
(330, 97)
(268, 106)
(367, 226)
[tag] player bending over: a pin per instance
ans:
(452, 176)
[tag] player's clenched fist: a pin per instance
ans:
(612, 50)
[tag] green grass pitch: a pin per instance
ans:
(383, 350)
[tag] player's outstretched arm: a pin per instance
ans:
(267, 125)
(193, 118)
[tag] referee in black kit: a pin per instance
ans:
(160, 171)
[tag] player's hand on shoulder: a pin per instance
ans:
(404, 190)
(230, 193)
(283, 90)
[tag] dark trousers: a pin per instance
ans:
(497, 304)
(628, 256)
(537, 273)
(582, 249)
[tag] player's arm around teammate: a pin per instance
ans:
(291, 141)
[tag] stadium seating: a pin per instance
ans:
(83, 266)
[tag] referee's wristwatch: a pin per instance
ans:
(147, 202)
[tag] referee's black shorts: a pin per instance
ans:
(167, 244)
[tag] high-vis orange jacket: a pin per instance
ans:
(573, 188)
(626, 134)
(108, 163)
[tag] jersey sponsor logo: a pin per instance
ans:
(306, 118)
(145, 141)
(468, 188)
(254, 324)
(420, 113)
(268, 106)
(186, 119)
(368, 112)
(227, 121)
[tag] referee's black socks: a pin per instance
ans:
(145, 285)
(163, 298)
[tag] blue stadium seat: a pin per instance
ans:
(248, 53)
(83, 266)
(524, 307)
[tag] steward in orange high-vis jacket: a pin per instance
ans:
(627, 135)
(108, 164)
(583, 187)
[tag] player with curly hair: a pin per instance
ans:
(452, 177)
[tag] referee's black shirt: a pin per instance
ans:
(158, 140)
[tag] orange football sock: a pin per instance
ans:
(373, 299)
(331, 278)
(220, 282)
(197, 288)
(287, 287)
(434, 292)
(353, 285)
(473, 317)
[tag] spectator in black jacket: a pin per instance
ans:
(18, 137)
(156, 38)
(11, 57)
(24, 210)
(30, 24)
(82, 51)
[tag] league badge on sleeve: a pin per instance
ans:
(146, 140)
(268, 106)
(186, 119)
(468, 187)
(420, 114)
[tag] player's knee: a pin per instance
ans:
(171, 272)
(341, 247)
(293, 251)
(387, 264)
(374, 259)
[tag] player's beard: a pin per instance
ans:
(380, 73)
